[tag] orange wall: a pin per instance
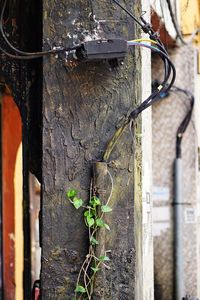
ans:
(190, 16)
(11, 138)
(190, 22)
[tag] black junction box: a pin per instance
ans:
(110, 49)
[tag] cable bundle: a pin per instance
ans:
(186, 120)
(163, 87)
(158, 48)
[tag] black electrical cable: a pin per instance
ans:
(162, 48)
(179, 35)
(167, 65)
(177, 29)
(11, 46)
(156, 94)
(26, 55)
(147, 28)
(185, 122)
(149, 101)
(128, 12)
(16, 56)
(164, 87)
(181, 130)
(160, 45)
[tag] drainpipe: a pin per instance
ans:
(178, 199)
(178, 207)
(178, 230)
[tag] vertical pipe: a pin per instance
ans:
(178, 231)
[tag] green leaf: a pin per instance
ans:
(93, 241)
(95, 269)
(100, 223)
(107, 226)
(77, 202)
(88, 213)
(106, 208)
(90, 221)
(104, 258)
(80, 289)
(71, 193)
(95, 201)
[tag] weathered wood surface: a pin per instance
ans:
(81, 109)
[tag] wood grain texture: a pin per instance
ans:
(82, 108)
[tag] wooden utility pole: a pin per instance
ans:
(82, 107)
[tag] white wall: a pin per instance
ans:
(161, 8)
(147, 238)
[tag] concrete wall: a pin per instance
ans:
(167, 116)
(197, 126)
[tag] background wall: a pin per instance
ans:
(167, 116)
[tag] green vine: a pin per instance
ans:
(93, 218)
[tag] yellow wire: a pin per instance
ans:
(144, 40)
